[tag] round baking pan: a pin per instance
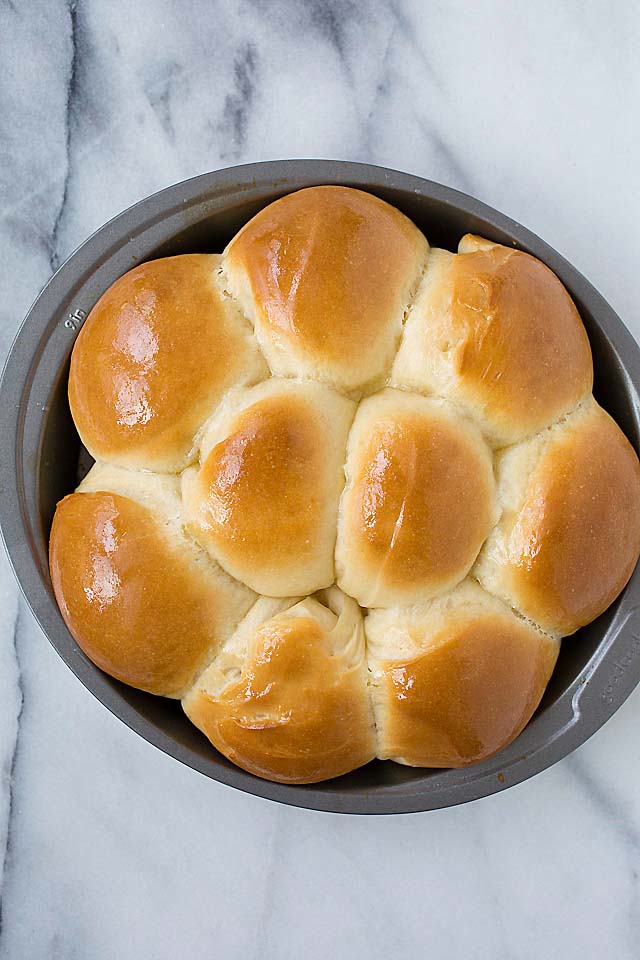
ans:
(41, 459)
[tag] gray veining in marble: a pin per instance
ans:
(107, 847)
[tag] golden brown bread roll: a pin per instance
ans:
(143, 602)
(419, 500)
(154, 358)
(454, 680)
(489, 377)
(287, 697)
(326, 275)
(264, 502)
(568, 538)
(494, 331)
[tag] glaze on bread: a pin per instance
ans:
(494, 331)
(264, 501)
(454, 680)
(141, 599)
(350, 491)
(567, 541)
(155, 356)
(326, 275)
(287, 697)
(419, 501)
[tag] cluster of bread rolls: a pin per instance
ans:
(349, 493)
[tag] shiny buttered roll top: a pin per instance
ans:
(349, 494)
(326, 276)
(287, 697)
(264, 501)
(157, 354)
(495, 332)
(143, 600)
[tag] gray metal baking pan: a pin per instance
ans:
(41, 458)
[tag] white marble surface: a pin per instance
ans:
(107, 847)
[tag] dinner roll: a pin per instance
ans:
(153, 359)
(142, 601)
(326, 274)
(332, 414)
(569, 536)
(418, 503)
(287, 697)
(454, 680)
(264, 501)
(494, 331)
